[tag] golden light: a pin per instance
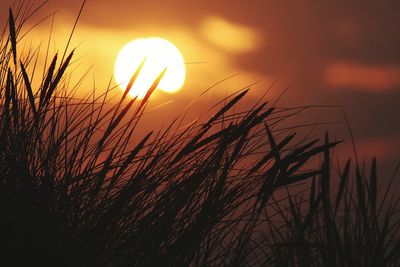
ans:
(158, 54)
(230, 36)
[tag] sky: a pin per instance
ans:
(328, 53)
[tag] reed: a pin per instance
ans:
(78, 188)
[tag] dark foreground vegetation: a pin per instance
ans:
(78, 188)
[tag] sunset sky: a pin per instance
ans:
(329, 53)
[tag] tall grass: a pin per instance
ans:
(78, 188)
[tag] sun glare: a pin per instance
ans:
(158, 54)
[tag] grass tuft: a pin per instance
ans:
(79, 187)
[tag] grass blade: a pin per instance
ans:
(13, 36)
(28, 88)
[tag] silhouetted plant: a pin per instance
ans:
(77, 188)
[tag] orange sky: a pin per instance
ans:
(330, 53)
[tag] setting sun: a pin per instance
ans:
(158, 54)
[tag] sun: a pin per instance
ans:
(158, 54)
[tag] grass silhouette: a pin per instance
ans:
(77, 189)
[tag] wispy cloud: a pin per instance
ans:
(384, 147)
(360, 76)
(230, 36)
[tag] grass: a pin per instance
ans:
(77, 188)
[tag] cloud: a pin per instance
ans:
(229, 36)
(359, 76)
(383, 147)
